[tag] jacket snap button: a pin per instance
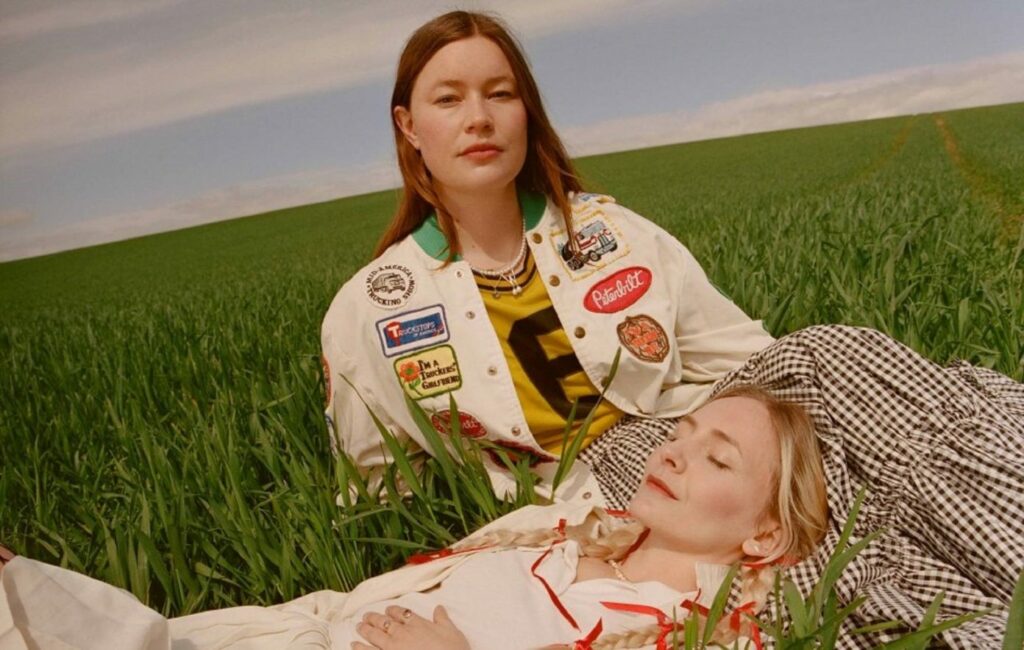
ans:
(516, 431)
(587, 495)
(536, 238)
(491, 370)
(553, 280)
(470, 315)
(458, 274)
(579, 332)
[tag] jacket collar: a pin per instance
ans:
(432, 241)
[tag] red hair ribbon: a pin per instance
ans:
(560, 528)
(735, 621)
(617, 513)
(423, 558)
(584, 643)
(666, 624)
(551, 592)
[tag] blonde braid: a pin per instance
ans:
(637, 638)
(610, 540)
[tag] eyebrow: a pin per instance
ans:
(718, 433)
(487, 82)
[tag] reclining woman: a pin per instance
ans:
(740, 480)
(501, 284)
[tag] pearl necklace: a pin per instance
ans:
(617, 568)
(508, 272)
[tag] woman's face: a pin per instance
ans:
(705, 491)
(466, 118)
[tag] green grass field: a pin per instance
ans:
(160, 398)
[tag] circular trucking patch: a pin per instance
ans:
(390, 285)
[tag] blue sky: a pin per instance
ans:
(120, 118)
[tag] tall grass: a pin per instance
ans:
(160, 398)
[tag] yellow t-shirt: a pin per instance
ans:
(545, 371)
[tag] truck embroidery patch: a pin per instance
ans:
(599, 244)
(390, 286)
(430, 372)
(618, 291)
(412, 330)
(644, 337)
(470, 426)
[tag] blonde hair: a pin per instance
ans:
(797, 502)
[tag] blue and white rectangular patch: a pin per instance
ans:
(412, 330)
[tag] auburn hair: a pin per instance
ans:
(547, 169)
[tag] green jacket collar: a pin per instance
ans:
(432, 241)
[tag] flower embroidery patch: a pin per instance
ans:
(430, 372)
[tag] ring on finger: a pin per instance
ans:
(386, 626)
(406, 614)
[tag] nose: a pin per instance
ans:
(672, 456)
(478, 117)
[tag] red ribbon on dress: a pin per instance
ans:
(585, 642)
(551, 592)
(664, 622)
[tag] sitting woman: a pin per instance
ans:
(740, 480)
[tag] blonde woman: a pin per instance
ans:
(499, 282)
(740, 481)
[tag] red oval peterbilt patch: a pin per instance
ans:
(618, 291)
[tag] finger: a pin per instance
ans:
(441, 616)
(376, 636)
(362, 646)
(402, 614)
(378, 620)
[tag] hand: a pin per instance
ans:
(399, 629)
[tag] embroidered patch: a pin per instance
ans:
(516, 452)
(390, 286)
(599, 243)
(618, 291)
(644, 337)
(329, 392)
(412, 330)
(430, 372)
(471, 427)
(583, 197)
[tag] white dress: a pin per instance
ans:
(496, 598)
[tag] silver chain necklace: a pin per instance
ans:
(508, 272)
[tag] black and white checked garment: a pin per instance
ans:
(941, 451)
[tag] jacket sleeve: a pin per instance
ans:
(713, 335)
(350, 425)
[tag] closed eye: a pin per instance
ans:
(446, 99)
(502, 94)
(717, 463)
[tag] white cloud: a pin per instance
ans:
(249, 198)
(42, 18)
(981, 82)
(260, 53)
(10, 218)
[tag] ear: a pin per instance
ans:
(403, 118)
(765, 543)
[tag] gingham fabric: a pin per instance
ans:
(941, 451)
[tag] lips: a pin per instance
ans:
(660, 486)
(480, 148)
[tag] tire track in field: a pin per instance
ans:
(895, 147)
(981, 185)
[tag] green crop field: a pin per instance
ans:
(160, 398)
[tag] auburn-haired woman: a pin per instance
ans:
(501, 284)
